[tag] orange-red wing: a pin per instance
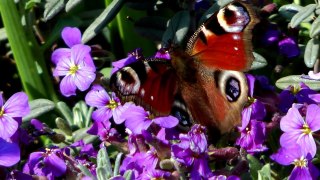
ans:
(149, 83)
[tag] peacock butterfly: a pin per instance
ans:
(205, 83)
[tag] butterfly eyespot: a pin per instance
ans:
(232, 89)
(233, 18)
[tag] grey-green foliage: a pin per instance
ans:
(104, 168)
(308, 14)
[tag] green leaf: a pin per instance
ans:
(214, 8)
(51, 8)
(86, 171)
(128, 175)
(265, 173)
(80, 134)
(103, 161)
(104, 18)
(315, 28)
(71, 4)
(177, 28)
(65, 111)
(302, 15)
(254, 166)
(3, 34)
(289, 10)
(63, 126)
(102, 173)
(39, 107)
(31, 3)
(259, 62)
(311, 53)
(106, 71)
(294, 80)
(117, 164)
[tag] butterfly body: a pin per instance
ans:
(205, 83)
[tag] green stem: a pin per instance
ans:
(36, 84)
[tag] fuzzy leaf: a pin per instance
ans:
(315, 28)
(177, 28)
(284, 82)
(39, 107)
(86, 171)
(102, 173)
(71, 4)
(289, 10)
(51, 8)
(128, 175)
(104, 18)
(311, 53)
(63, 126)
(80, 134)
(254, 166)
(302, 15)
(103, 161)
(66, 111)
(3, 34)
(117, 164)
(259, 62)
(264, 173)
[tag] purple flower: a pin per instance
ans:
(48, 163)
(155, 174)
(271, 36)
(75, 63)
(107, 106)
(192, 152)
(295, 94)
(131, 58)
(103, 130)
(298, 130)
(253, 133)
(137, 119)
(303, 168)
(258, 110)
(9, 153)
(288, 47)
(162, 54)
(16, 107)
(72, 37)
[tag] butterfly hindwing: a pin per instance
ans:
(149, 82)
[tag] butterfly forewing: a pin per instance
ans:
(224, 40)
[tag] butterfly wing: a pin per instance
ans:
(224, 40)
(218, 51)
(149, 82)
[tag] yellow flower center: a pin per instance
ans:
(302, 162)
(73, 69)
(112, 104)
(295, 89)
(306, 129)
(1, 112)
(150, 116)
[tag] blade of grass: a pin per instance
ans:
(26, 62)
